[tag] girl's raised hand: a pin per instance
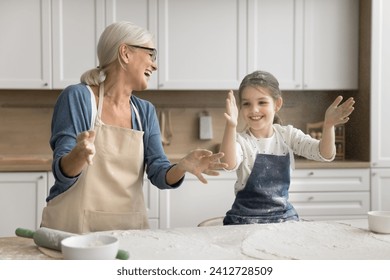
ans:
(339, 114)
(231, 113)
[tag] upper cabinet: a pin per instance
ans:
(48, 44)
(331, 44)
(25, 44)
(202, 44)
(380, 84)
(143, 13)
(76, 27)
(306, 44)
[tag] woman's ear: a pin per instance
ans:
(124, 53)
(278, 104)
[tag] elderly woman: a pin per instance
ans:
(103, 138)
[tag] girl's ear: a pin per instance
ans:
(278, 104)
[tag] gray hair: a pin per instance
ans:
(262, 79)
(113, 36)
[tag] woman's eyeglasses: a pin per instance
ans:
(153, 52)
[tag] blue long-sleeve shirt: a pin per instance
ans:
(73, 115)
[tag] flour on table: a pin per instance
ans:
(315, 241)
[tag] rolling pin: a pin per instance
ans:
(51, 239)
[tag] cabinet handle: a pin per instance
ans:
(311, 173)
(45, 84)
(310, 198)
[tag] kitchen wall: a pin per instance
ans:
(25, 117)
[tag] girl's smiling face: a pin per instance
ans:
(258, 110)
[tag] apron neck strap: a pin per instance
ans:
(101, 97)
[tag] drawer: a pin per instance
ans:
(332, 180)
(333, 203)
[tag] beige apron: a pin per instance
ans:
(108, 194)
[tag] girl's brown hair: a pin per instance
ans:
(265, 80)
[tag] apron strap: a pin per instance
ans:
(101, 96)
(136, 115)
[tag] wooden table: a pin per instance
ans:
(19, 248)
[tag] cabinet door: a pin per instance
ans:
(142, 13)
(194, 202)
(331, 203)
(380, 84)
(22, 199)
(380, 189)
(151, 196)
(331, 43)
(77, 26)
(275, 32)
(202, 44)
(330, 180)
(323, 194)
(25, 52)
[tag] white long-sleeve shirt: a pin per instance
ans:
(286, 139)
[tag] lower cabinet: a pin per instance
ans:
(194, 202)
(331, 194)
(22, 198)
(151, 196)
(317, 194)
(380, 189)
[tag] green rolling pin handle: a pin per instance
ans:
(27, 233)
(22, 232)
(122, 255)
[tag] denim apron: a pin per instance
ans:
(264, 198)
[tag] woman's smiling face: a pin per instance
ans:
(258, 110)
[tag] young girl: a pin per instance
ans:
(263, 152)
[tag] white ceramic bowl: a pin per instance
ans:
(90, 247)
(379, 221)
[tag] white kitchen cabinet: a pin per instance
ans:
(22, 199)
(323, 194)
(77, 26)
(306, 44)
(380, 103)
(380, 189)
(202, 44)
(194, 202)
(25, 51)
(380, 84)
(48, 44)
(151, 196)
(317, 194)
(143, 13)
(275, 40)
